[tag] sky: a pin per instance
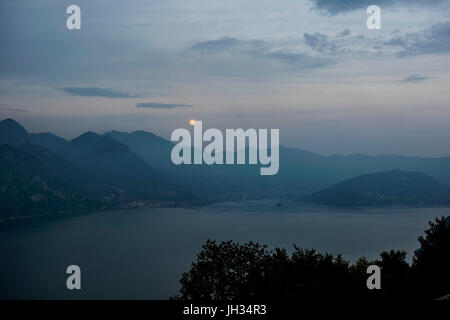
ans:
(310, 68)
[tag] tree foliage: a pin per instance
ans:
(233, 271)
(431, 262)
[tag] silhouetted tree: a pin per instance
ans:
(233, 271)
(224, 271)
(228, 270)
(431, 263)
(395, 273)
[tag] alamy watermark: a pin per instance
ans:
(73, 22)
(73, 282)
(374, 19)
(235, 150)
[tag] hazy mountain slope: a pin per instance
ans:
(11, 132)
(110, 162)
(62, 168)
(152, 148)
(106, 160)
(50, 141)
(28, 187)
(218, 182)
(317, 171)
(143, 159)
(103, 158)
(98, 165)
(301, 172)
(387, 188)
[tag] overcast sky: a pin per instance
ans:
(308, 67)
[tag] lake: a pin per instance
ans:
(141, 254)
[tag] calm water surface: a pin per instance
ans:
(142, 253)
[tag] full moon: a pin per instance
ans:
(192, 122)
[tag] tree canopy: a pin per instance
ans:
(233, 271)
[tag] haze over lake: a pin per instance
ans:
(142, 253)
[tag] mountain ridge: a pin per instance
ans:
(147, 158)
(90, 166)
(386, 188)
(29, 188)
(300, 170)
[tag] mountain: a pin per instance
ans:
(138, 165)
(213, 182)
(90, 158)
(28, 187)
(104, 159)
(91, 165)
(62, 168)
(387, 188)
(308, 172)
(110, 161)
(11, 132)
(51, 142)
(94, 160)
(219, 182)
(301, 172)
(150, 147)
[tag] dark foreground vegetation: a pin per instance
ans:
(233, 271)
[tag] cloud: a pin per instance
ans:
(259, 49)
(334, 7)
(396, 41)
(344, 33)
(414, 78)
(158, 105)
(299, 60)
(14, 109)
(230, 45)
(97, 92)
(227, 44)
(433, 40)
(320, 43)
(340, 44)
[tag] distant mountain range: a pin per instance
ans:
(301, 172)
(388, 188)
(87, 173)
(120, 169)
